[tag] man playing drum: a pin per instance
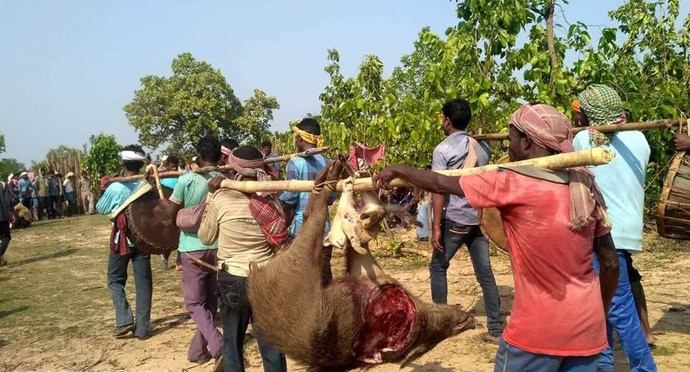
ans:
(554, 222)
(622, 184)
(122, 252)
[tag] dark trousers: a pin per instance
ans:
(453, 237)
(235, 312)
(5, 237)
(143, 285)
(44, 208)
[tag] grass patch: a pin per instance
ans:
(663, 351)
(55, 285)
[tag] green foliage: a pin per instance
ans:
(178, 110)
(257, 114)
(2, 143)
(10, 166)
(103, 156)
(62, 159)
(646, 58)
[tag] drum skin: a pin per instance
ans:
(491, 224)
(673, 213)
(149, 227)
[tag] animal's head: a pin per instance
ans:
(436, 323)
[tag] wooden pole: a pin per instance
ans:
(158, 182)
(593, 156)
(644, 125)
(173, 174)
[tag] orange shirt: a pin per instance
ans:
(557, 308)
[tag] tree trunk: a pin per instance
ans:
(550, 40)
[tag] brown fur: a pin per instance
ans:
(318, 321)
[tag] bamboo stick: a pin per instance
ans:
(156, 176)
(593, 156)
(644, 125)
(302, 154)
(173, 174)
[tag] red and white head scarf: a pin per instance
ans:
(551, 130)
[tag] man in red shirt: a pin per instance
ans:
(554, 221)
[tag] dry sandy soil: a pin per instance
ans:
(56, 314)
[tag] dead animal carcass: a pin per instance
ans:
(361, 318)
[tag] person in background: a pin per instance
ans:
(226, 147)
(43, 192)
(54, 193)
(34, 199)
(170, 163)
(622, 183)
(13, 187)
(6, 218)
(70, 195)
(87, 197)
(25, 190)
(456, 223)
(423, 213)
(267, 149)
(575, 106)
(122, 251)
(183, 165)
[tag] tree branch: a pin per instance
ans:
(550, 39)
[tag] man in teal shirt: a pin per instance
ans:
(114, 196)
(198, 279)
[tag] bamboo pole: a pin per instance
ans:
(644, 125)
(157, 177)
(173, 174)
(592, 156)
(302, 154)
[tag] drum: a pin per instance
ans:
(149, 227)
(491, 224)
(673, 214)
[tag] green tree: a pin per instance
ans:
(176, 111)
(103, 156)
(63, 159)
(2, 143)
(10, 166)
(256, 117)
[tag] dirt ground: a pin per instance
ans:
(56, 313)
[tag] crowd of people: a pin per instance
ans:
(572, 236)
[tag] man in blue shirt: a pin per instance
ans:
(622, 183)
(25, 190)
(455, 222)
(133, 157)
(307, 136)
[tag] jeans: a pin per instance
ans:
(623, 318)
(512, 359)
(143, 285)
(5, 237)
(199, 287)
(235, 312)
(454, 236)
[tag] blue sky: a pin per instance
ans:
(68, 67)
